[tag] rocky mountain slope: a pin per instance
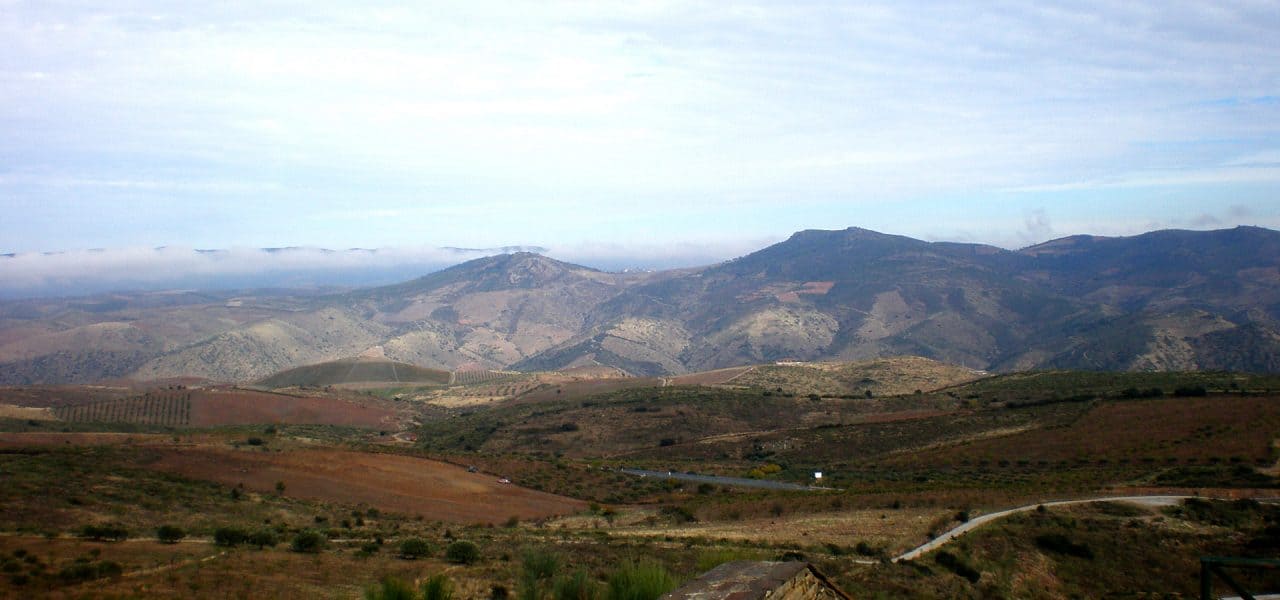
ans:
(1162, 300)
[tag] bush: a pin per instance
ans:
(954, 564)
(1190, 391)
(414, 548)
(308, 541)
(681, 514)
(1056, 542)
(170, 534)
(104, 532)
(264, 538)
(84, 570)
(462, 552)
(230, 536)
(437, 587)
(390, 588)
(643, 581)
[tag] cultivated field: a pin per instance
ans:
(403, 484)
(214, 407)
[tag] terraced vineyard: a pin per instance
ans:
(482, 376)
(149, 409)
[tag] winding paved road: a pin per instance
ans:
(981, 520)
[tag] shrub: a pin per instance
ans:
(84, 570)
(643, 581)
(170, 534)
(462, 552)
(1056, 542)
(230, 536)
(390, 588)
(681, 514)
(1190, 390)
(954, 564)
(308, 541)
(437, 587)
(104, 532)
(414, 548)
(264, 538)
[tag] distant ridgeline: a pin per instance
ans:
(1161, 301)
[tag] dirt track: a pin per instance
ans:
(403, 484)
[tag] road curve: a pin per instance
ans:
(981, 520)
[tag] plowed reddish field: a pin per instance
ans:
(403, 484)
(243, 407)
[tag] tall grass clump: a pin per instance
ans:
(538, 567)
(437, 587)
(578, 586)
(646, 580)
(390, 588)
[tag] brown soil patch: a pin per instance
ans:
(211, 408)
(403, 484)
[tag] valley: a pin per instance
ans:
(537, 469)
(840, 398)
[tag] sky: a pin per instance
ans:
(668, 132)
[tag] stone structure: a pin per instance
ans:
(752, 580)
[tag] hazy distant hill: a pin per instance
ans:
(1161, 300)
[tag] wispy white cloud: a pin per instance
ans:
(287, 123)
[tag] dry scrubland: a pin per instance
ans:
(906, 468)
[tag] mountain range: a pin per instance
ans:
(1164, 300)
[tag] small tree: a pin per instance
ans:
(414, 548)
(462, 552)
(170, 534)
(229, 536)
(311, 542)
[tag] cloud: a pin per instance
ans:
(1038, 228)
(1205, 220)
(251, 110)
